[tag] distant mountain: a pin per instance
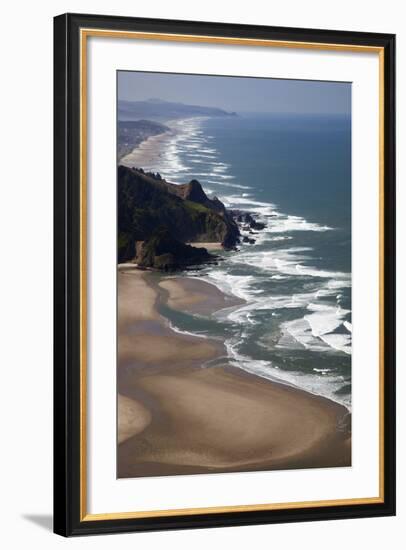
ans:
(158, 109)
(146, 203)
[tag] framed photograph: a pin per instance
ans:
(224, 274)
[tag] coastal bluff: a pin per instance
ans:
(165, 215)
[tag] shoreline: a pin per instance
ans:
(194, 295)
(215, 419)
(148, 151)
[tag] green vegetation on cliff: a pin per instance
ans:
(162, 251)
(146, 202)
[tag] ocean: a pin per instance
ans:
(294, 173)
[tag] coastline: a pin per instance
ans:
(177, 417)
(149, 151)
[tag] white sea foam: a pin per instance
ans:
(315, 331)
(313, 383)
(236, 285)
(280, 238)
(185, 332)
(229, 184)
(284, 224)
(220, 168)
(234, 200)
(289, 261)
(348, 326)
(222, 177)
(276, 222)
(198, 161)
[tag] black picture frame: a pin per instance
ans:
(68, 519)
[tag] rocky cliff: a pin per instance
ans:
(146, 203)
(164, 252)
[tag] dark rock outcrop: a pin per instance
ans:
(257, 225)
(162, 251)
(247, 219)
(146, 202)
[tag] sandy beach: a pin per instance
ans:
(150, 151)
(195, 296)
(147, 152)
(207, 246)
(179, 415)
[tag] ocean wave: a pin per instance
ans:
(234, 285)
(222, 176)
(276, 222)
(285, 224)
(324, 328)
(312, 383)
(238, 200)
(317, 331)
(185, 332)
(314, 331)
(228, 184)
(289, 261)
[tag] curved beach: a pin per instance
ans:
(176, 415)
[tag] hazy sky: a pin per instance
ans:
(238, 93)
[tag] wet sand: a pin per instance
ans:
(195, 296)
(147, 152)
(207, 246)
(179, 415)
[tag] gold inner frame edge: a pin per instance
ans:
(173, 37)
